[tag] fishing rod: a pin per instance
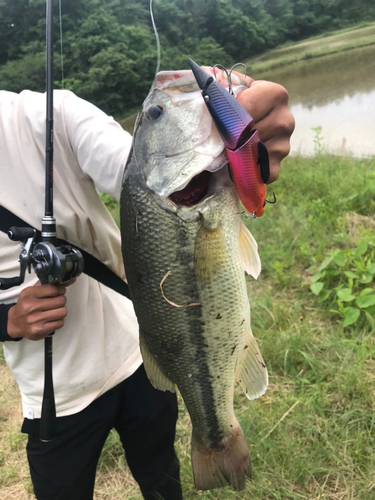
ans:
(52, 263)
(48, 415)
(66, 261)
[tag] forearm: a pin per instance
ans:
(4, 309)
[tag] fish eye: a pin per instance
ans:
(154, 112)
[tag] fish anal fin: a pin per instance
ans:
(154, 372)
(249, 252)
(252, 372)
(215, 468)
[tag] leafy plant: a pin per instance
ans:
(345, 280)
(364, 201)
(318, 139)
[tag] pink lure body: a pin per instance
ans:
(246, 175)
(247, 156)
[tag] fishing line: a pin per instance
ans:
(157, 39)
(156, 72)
(61, 48)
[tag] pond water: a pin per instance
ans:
(336, 93)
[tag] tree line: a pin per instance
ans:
(109, 47)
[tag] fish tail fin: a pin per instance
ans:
(215, 468)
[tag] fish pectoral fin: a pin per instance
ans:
(249, 252)
(252, 372)
(154, 373)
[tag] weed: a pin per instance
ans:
(318, 140)
(345, 280)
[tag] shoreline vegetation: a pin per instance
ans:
(268, 65)
(312, 435)
(109, 48)
(362, 35)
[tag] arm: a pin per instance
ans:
(100, 144)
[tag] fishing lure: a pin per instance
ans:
(247, 155)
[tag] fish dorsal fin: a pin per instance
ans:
(154, 373)
(249, 252)
(252, 372)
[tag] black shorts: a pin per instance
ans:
(145, 418)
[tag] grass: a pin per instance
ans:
(328, 44)
(312, 435)
(324, 446)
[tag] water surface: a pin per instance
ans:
(336, 93)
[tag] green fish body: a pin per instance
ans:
(185, 251)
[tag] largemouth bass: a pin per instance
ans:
(186, 251)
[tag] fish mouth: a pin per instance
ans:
(194, 192)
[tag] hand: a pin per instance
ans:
(267, 103)
(39, 311)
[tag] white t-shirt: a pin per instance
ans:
(98, 346)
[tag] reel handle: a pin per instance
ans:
(6, 283)
(20, 233)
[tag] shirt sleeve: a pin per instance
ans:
(99, 143)
(4, 308)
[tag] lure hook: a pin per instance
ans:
(229, 77)
(235, 66)
(273, 201)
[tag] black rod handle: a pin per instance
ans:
(48, 417)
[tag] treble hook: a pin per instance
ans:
(229, 75)
(219, 66)
(235, 66)
(273, 201)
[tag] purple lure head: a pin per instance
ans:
(231, 119)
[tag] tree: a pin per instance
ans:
(110, 49)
